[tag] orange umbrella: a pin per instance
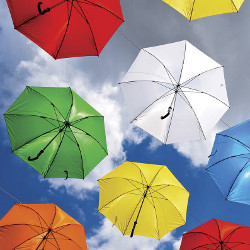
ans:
(40, 226)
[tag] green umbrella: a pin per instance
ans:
(56, 132)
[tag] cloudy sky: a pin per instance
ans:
(225, 38)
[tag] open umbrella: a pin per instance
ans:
(143, 199)
(194, 9)
(229, 163)
(217, 235)
(56, 132)
(175, 92)
(67, 28)
(40, 226)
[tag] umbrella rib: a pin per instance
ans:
(230, 235)
(164, 95)
(26, 240)
(234, 5)
(44, 117)
(65, 30)
(39, 216)
(189, 104)
(201, 92)
(79, 151)
(243, 144)
(156, 176)
(97, 5)
(158, 231)
(91, 137)
(192, 11)
(128, 192)
(29, 225)
(207, 245)
(51, 224)
(218, 229)
(39, 14)
(86, 19)
(142, 175)
(172, 204)
(70, 109)
(172, 114)
(183, 61)
(47, 98)
(50, 165)
(167, 185)
(192, 78)
(33, 139)
(68, 239)
(207, 235)
(245, 166)
(122, 178)
(232, 156)
(168, 72)
(151, 81)
(93, 116)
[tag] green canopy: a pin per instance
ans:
(56, 132)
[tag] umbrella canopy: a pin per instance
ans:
(194, 9)
(143, 199)
(56, 132)
(229, 163)
(40, 226)
(217, 235)
(175, 92)
(67, 28)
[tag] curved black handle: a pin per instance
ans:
(35, 158)
(168, 113)
(40, 10)
(132, 232)
(67, 174)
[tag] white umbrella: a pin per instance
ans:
(175, 92)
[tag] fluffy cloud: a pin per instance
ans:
(110, 238)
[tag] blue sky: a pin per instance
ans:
(224, 38)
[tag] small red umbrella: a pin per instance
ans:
(217, 234)
(67, 28)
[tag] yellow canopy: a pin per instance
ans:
(194, 9)
(143, 199)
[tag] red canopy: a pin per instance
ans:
(219, 235)
(67, 28)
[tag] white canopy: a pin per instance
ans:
(175, 92)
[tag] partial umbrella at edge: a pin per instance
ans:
(40, 226)
(229, 163)
(143, 199)
(175, 92)
(67, 28)
(217, 235)
(56, 132)
(194, 9)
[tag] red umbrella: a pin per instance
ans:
(67, 28)
(219, 235)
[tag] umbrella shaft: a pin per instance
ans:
(144, 196)
(44, 238)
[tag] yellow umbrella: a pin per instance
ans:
(143, 199)
(194, 9)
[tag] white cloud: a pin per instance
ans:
(198, 151)
(110, 238)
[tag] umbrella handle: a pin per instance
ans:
(35, 158)
(40, 10)
(132, 232)
(168, 113)
(67, 174)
